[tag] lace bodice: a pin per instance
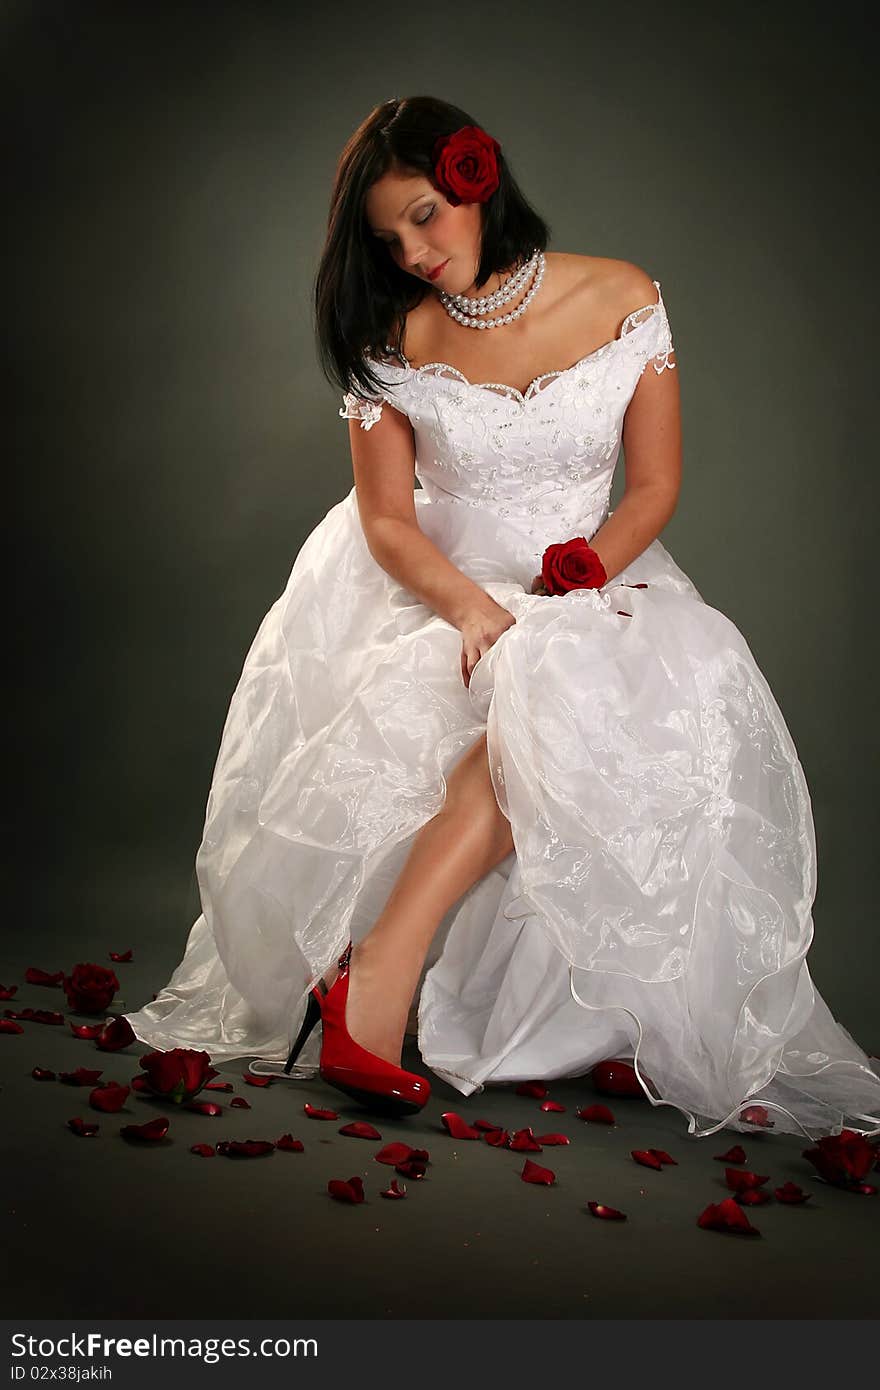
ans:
(543, 459)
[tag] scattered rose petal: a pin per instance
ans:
(82, 1127)
(535, 1089)
(8, 991)
(740, 1181)
(139, 1083)
(152, 1130)
(756, 1115)
(498, 1138)
(792, 1194)
(752, 1197)
(398, 1152)
(121, 955)
(553, 1105)
(83, 1076)
(735, 1155)
(524, 1139)
(351, 1191)
(218, 1086)
(726, 1216)
(239, 1103)
(315, 1114)
(864, 1189)
(663, 1156)
(457, 1127)
(646, 1158)
(34, 976)
(35, 1015)
(246, 1148)
(844, 1158)
(486, 1124)
(116, 1034)
(595, 1114)
(533, 1172)
(411, 1168)
(359, 1129)
(89, 1031)
(606, 1213)
(203, 1150)
(616, 1078)
(254, 1080)
(7, 1026)
(553, 1139)
(288, 1144)
(395, 1190)
(42, 1074)
(110, 1097)
(204, 1107)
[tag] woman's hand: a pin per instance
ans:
(480, 630)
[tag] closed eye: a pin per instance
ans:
(420, 223)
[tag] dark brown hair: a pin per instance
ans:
(361, 296)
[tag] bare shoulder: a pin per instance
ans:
(616, 287)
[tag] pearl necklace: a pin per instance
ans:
(462, 309)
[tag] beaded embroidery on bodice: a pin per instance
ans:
(544, 458)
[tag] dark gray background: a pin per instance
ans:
(168, 177)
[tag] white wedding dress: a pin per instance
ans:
(657, 905)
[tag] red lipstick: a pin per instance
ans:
(432, 274)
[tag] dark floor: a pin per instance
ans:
(99, 1227)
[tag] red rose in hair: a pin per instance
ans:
(90, 988)
(569, 565)
(177, 1075)
(465, 165)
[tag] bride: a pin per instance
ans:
(491, 756)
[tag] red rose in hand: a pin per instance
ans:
(90, 988)
(569, 565)
(843, 1159)
(177, 1075)
(465, 165)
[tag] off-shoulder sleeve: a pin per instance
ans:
(654, 344)
(355, 407)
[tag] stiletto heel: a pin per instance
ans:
(348, 1066)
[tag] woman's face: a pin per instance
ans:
(422, 230)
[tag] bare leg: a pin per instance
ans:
(467, 838)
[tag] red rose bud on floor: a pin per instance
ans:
(843, 1159)
(177, 1075)
(90, 988)
(116, 1034)
(616, 1078)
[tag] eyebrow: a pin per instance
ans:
(426, 194)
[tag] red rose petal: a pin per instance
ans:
(121, 956)
(740, 1181)
(42, 1074)
(351, 1191)
(864, 1189)
(8, 991)
(616, 1077)
(139, 1083)
(82, 1127)
(756, 1115)
(315, 1114)
(553, 1105)
(606, 1213)
(288, 1144)
(204, 1107)
(790, 1193)
(726, 1216)
(35, 1015)
(486, 1124)
(150, 1132)
(247, 1148)
(83, 1076)
(203, 1150)
(735, 1155)
(553, 1139)
(89, 1031)
(524, 1139)
(663, 1156)
(398, 1152)
(411, 1168)
(498, 1138)
(359, 1129)
(752, 1197)
(842, 1159)
(646, 1158)
(239, 1103)
(109, 1098)
(535, 1089)
(596, 1115)
(457, 1127)
(8, 1026)
(533, 1172)
(395, 1190)
(254, 1080)
(34, 976)
(116, 1034)
(218, 1086)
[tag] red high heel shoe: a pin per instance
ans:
(347, 1065)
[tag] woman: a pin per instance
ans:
(490, 740)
